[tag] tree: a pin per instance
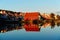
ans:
(52, 16)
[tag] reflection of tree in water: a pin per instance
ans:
(58, 24)
(9, 27)
(52, 24)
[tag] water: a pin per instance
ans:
(21, 34)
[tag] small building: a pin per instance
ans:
(31, 16)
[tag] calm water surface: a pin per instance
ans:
(43, 34)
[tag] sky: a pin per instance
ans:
(31, 5)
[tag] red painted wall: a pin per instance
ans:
(31, 16)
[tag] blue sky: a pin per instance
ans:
(31, 5)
